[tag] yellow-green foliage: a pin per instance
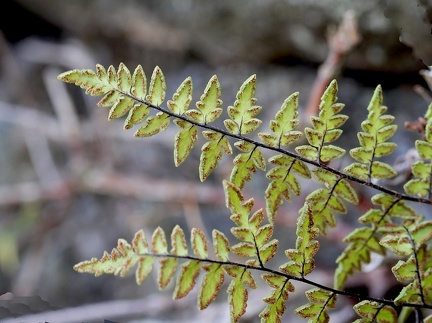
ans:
(392, 226)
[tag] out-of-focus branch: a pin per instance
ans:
(152, 305)
(341, 42)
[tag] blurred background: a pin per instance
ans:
(72, 183)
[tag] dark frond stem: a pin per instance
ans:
(299, 279)
(258, 254)
(288, 153)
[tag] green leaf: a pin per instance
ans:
(145, 263)
(275, 193)
(136, 115)
(284, 124)
(199, 243)
(268, 251)
(166, 271)
(332, 135)
(337, 121)
(421, 169)
(377, 129)
(221, 245)
(385, 149)
(244, 249)
(365, 234)
(184, 141)
(290, 137)
(328, 98)
(120, 107)
(324, 176)
(181, 98)
(242, 233)
(336, 204)
(210, 102)
(211, 152)
(312, 311)
(366, 140)
(422, 232)
(123, 78)
(276, 298)
(88, 80)
(382, 170)
(139, 83)
(235, 202)
(318, 295)
(244, 110)
(376, 100)
(409, 294)
(153, 125)
(210, 285)
(157, 88)
(419, 187)
(246, 164)
(314, 137)
(169, 265)
(344, 190)
(405, 270)
(263, 234)
(398, 244)
(256, 219)
(371, 216)
(385, 133)
(308, 152)
(292, 268)
(237, 298)
(275, 281)
(424, 149)
(109, 99)
(266, 138)
(121, 260)
(361, 154)
(186, 278)
(376, 311)
(159, 244)
(178, 242)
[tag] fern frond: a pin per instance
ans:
(237, 290)
(377, 129)
(421, 184)
(286, 120)
(391, 226)
(244, 110)
(319, 302)
(209, 104)
(326, 201)
(242, 121)
(302, 262)
(121, 260)
(283, 134)
(375, 312)
(254, 237)
(276, 299)
(246, 163)
(325, 129)
(389, 219)
(283, 182)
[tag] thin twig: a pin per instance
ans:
(340, 44)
